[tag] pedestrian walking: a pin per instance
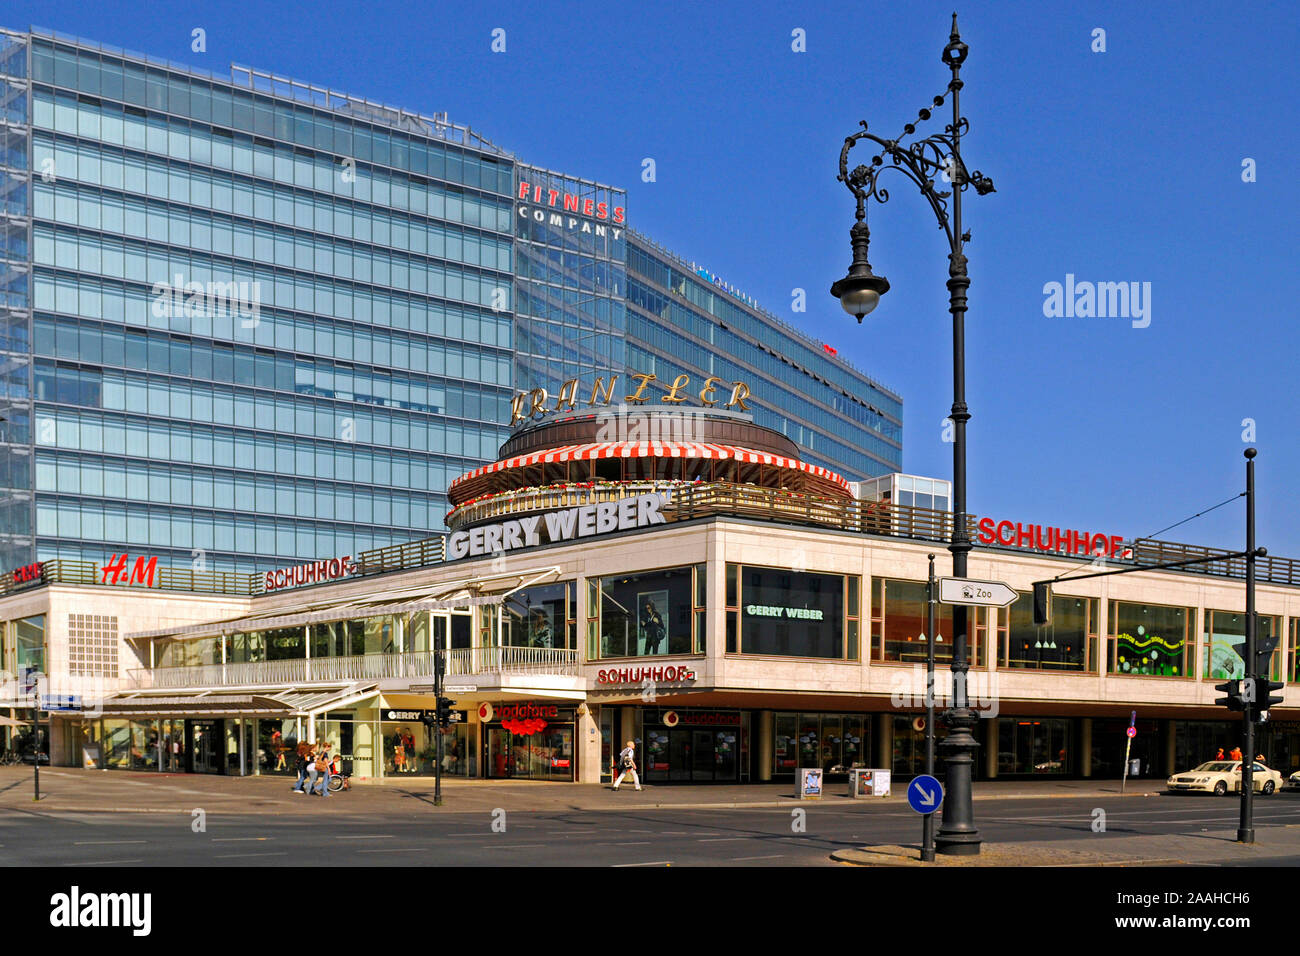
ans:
(322, 768)
(1219, 755)
(627, 765)
(1236, 754)
(301, 764)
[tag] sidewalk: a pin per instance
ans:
(67, 788)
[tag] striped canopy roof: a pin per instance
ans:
(653, 449)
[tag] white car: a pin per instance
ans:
(1293, 781)
(1224, 776)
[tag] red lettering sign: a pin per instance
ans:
(635, 675)
(32, 572)
(142, 571)
(317, 571)
(570, 203)
(1035, 537)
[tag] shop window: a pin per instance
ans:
(899, 619)
(29, 643)
(1067, 643)
(1223, 643)
(1032, 746)
(788, 613)
(645, 615)
(1150, 640)
(1293, 651)
(542, 616)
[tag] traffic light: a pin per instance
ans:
(1233, 701)
(1042, 603)
(444, 711)
(1264, 696)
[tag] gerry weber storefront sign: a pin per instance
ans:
(528, 531)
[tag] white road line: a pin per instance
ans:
(105, 842)
(775, 856)
(619, 866)
(366, 836)
(515, 846)
(244, 839)
(622, 843)
(727, 839)
(401, 849)
(102, 863)
(231, 856)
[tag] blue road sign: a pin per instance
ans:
(924, 794)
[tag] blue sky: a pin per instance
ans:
(1117, 166)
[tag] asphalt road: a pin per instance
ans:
(329, 832)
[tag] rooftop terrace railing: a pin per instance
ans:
(689, 501)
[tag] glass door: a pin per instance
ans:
(205, 746)
(701, 755)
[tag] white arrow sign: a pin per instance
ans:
(978, 593)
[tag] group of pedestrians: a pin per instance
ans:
(316, 764)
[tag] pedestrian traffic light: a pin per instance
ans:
(444, 710)
(1233, 701)
(1042, 603)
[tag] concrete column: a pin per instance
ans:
(588, 746)
(764, 728)
(627, 729)
(363, 742)
(1085, 747)
(884, 741)
(991, 737)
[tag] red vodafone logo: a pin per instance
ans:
(671, 719)
(485, 712)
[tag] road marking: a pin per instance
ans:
(105, 842)
(403, 849)
(622, 843)
(619, 866)
(246, 839)
(726, 839)
(102, 863)
(514, 846)
(366, 836)
(231, 856)
(775, 856)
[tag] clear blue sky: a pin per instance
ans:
(1115, 166)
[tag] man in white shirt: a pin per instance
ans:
(627, 765)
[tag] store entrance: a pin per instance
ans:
(544, 755)
(691, 754)
(205, 745)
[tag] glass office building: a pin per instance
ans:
(684, 320)
(247, 322)
(267, 322)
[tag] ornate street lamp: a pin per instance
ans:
(922, 161)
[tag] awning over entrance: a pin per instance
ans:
(273, 703)
(442, 595)
(655, 449)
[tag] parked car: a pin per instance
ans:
(1293, 781)
(1223, 776)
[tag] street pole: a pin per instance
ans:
(1246, 829)
(438, 668)
(958, 835)
(925, 162)
(36, 749)
(927, 821)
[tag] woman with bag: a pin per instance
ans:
(301, 764)
(322, 768)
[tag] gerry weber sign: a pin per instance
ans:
(527, 531)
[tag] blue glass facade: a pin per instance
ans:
(263, 330)
(678, 321)
(570, 260)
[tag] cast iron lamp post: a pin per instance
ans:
(922, 161)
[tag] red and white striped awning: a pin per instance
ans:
(651, 449)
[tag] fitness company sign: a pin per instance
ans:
(557, 526)
(566, 211)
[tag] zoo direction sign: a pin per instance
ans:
(977, 593)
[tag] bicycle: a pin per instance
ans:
(10, 758)
(337, 780)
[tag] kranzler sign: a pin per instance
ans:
(553, 527)
(527, 405)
